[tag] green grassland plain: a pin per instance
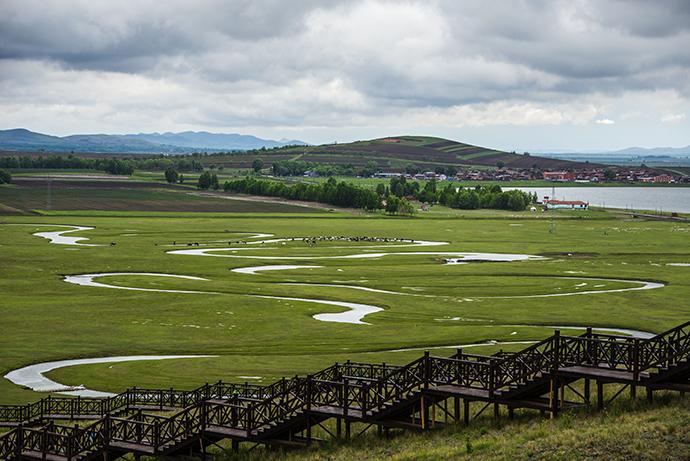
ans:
(43, 318)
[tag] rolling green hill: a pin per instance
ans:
(394, 153)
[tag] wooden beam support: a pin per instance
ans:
(600, 395)
(553, 397)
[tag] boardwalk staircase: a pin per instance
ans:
(423, 394)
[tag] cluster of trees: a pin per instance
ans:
(5, 177)
(208, 180)
(454, 197)
(108, 164)
(117, 166)
(400, 187)
(173, 176)
(399, 206)
(299, 167)
(485, 197)
(333, 192)
(413, 169)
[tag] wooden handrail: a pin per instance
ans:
(259, 406)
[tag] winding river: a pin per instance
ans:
(33, 377)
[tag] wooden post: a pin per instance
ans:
(339, 427)
(433, 413)
(511, 413)
(589, 344)
(636, 368)
(466, 411)
(427, 370)
(19, 448)
(139, 419)
(235, 446)
(44, 443)
(422, 413)
(347, 429)
(553, 397)
(587, 391)
(309, 379)
(497, 410)
(650, 395)
(557, 350)
(456, 408)
(600, 395)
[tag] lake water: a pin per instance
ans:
(639, 198)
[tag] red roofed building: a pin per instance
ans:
(663, 178)
(561, 176)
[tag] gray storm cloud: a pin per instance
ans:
(269, 63)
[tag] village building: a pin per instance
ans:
(560, 176)
(565, 204)
(663, 178)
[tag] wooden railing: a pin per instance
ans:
(469, 371)
(667, 349)
(350, 386)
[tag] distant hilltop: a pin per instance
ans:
(393, 153)
(21, 139)
(430, 153)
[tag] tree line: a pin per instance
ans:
(299, 167)
(332, 192)
(122, 166)
(394, 198)
(457, 197)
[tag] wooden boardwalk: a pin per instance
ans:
(426, 393)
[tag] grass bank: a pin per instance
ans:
(626, 431)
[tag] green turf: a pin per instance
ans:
(43, 318)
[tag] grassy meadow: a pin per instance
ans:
(256, 339)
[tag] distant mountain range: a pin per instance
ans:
(629, 152)
(656, 156)
(654, 151)
(145, 143)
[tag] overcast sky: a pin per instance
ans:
(524, 75)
